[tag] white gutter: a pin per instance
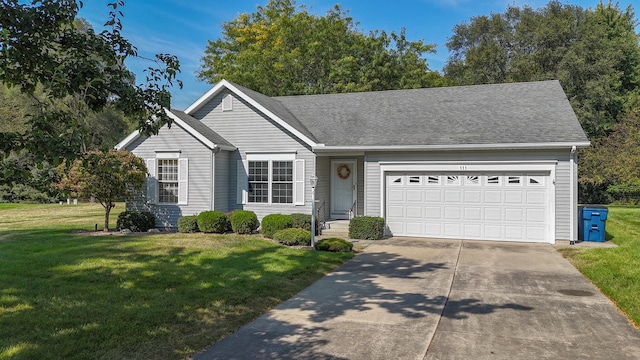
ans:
(572, 195)
(503, 146)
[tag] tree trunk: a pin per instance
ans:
(107, 210)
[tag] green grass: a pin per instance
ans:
(68, 295)
(616, 271)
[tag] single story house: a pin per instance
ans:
(488, 162)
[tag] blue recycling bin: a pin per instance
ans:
(593, 221)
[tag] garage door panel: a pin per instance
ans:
(473, 213)
(473, 231)
(453, 230)
(452, 213)
(453, 196)
(433, 212)
(415, 228)
(536, 233)
(493, 232)
(414, 195)
(414, 212)
(396, 211)
(397, 227)
(472, 196)
(514, 232)
(396, 195)
(536, 215)
(433, 196)
(492, 214)
(433, 229)
(493, 196)
(513, 197)
(514, 214)
(493, 206)
(536, 197)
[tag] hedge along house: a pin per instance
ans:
(488, 162)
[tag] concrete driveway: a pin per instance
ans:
(441, 299)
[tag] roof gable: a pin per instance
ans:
(197, 129)
(265, 104)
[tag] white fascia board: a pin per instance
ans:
(128, 140)
(468, 166)
(206, 97)
(504, 146)
(191, 130)
(225, 84)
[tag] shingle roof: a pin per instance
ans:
(514, 113)
(201, 128)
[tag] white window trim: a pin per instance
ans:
(298, 195)
(153, 187)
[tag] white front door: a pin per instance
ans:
(343, 187)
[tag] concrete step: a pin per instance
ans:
(342, 233)
(337, 224)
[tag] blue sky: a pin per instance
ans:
(183, 27)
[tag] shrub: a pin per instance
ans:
(302, 221)
(274, 222)
(188, 224)
(366, 227)
(293, 236)
(334, 244)
(137, 221)
(212, 222)
(244, 222)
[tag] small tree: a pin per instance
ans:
(105, 176)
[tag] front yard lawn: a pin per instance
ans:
(616, 271)
(70, 295)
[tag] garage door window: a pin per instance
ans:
(514, 180)
(453, 180)
(493, 180)
(415, 180)
(536, 180)
(433, 180)
(472, 180)
(397, 181)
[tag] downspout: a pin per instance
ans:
(572, 196)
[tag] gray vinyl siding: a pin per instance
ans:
(563, 187)
(221, 182)
(199, 177)
(252, 132)
(323, 190)
(563, 198)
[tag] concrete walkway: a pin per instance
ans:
(441, 299)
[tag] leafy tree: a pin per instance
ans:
(613, 162)
(105, 176)
(281, 49)
(41, 44)
(594, 53)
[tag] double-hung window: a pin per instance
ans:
(258, 181)
(168, 180)
(270, 181)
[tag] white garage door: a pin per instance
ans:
(485, 206)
